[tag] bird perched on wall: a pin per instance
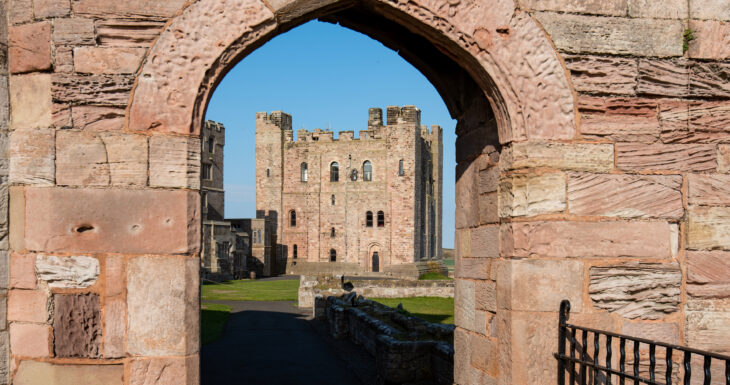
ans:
(346, 286)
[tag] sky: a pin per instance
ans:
(325, 76)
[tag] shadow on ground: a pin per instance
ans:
(277, 343)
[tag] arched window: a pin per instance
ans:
(333, 199)
(333, 255)
(334, 172)
(367, 171)
(211, 144)
(305, 173)
(332, 233)
(294, 252)
(401, 172)
(381, 219)
(293, 218)
(369, 219)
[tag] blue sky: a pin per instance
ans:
(323, 75)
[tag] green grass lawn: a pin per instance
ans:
(251, 290)
(432, 309)
(434, 277)
(212, 320)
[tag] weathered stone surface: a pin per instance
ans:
(485, 242)
(27, 306)
(596, 7)
(712, 39)
(63, 59)
(112, 220)
(128, 33)
(668, 9)
(32, 156)
(20, 11)
(114, 272)
(709, 79)
(620, 128)
(532, 335)
(76, 325)
(664, 332)
(467, 195)
(474, 268)
(695, 122)
(709, 189)
(81, 159)
(486, 295)
(33, 372)
(666, 157)
(104, 60)
(636, 290)
(568, 156)
(600, 74)
(723, 158)
(708, 330)
(627, 196)
(163, 305)
(29, 47)
(51, 8)
(521, 195)
(127, 157)
(464, 304)
(663, 77)
(165, 371)
(174, 161)
(588, 239)
(115, 321)
(640, 37)
(98, 118)
(708, 228)
(30, 101)
(92, 89)
(484, 355)
(709, 9)
(31, 340)
(617, 106)
(73, 272)
(74, 31)
(707, 274)
(22, 271)
(540, 285)
(132, 8)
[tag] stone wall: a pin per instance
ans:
(313, 286)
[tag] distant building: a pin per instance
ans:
(349, 205)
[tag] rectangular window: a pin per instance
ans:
(222, 249)
(211, 144)
(401, 172)
(207, 171)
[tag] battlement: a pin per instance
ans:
(278, 118)
(214, 126)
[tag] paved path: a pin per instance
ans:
(276, 343)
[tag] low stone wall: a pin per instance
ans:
(404, 271)
(406, 349)
(325, 286)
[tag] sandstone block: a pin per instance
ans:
(165, 371)
(522, 195)
(485, 242)
(112, 221)
(709, 9)
(617, 106)
(51, 8)
(709, 189)
(20, 11)
(488, 180)
(489, 208)
(540, 285)
(723, 158)
(467, 195)
(707, 79)
(33, 372)
(486, 295)
(32, 155)
(4, 358)
(105, 60)
(163, 306)
(29, 47)
(636, 290)
(110, 90)
(708, 330)
(620, 128)
(639, 37)
(127, 157)
(115, 320)
(595, 7)
(30, 101)
(627, 196)
(474, 268)
(63, 59)
(533, 335)
(114, 272)
(708, 228)
(707, 274)
(663, 77)
(98, 118)
(27, 306)
(73, 31)
(81, 159)
(462, 356)
(712, 39)
(666, 157)
(664, 332)
(670, 9)
(174, 161)
(568, 156)
(600, 74)
(464, 304)
(76, 325)
(133, 8)
(128, 33)
(484, 354)
(696, 123)
(31, 340)
(73, 272)
(589, 239)
(22, 271)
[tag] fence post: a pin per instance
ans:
(562, 330)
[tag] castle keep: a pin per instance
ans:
(346, 204)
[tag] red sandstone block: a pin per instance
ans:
(27, 306)
(30, 340)
(51, 8)
(165, 371)
(22, 271)
(115, 322)
(708, 274)
(484, 354)
(112, 220)
(129, 8)
(617, 106)
(666, 157)
(712, 39)
(709, 189)
(29, 47)
(114, 271)
(475, 268)
(106, 60)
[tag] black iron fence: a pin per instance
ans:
(587, 356)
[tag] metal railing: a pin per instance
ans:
(597, 364)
